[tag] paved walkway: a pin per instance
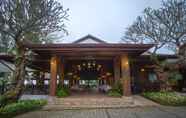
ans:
(137, 112)
(88, 102)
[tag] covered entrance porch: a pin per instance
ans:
(87, 65)
(90, 76)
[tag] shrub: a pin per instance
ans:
(19, 107)
(114, 93)
(116, 90)
(62, 92)
(118, 87)
(166, 98)
(3, 101)
(174, 77)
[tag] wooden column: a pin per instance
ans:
(61, 71)
(125, 74)
(117, 63)
(53, 75)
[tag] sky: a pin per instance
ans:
(105, 19)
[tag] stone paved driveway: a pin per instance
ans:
(138, 112)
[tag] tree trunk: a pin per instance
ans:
(14, 93)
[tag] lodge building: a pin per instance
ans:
(93, 61)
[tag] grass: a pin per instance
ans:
(20, 107)
(166, 98)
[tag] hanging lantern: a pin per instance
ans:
(79, 66)
(89, 64)
(142, 70)
(84, 64)
(69, 73)
(94, 64)
(99, 66)
(75, 76)
(108, 74)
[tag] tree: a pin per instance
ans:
(165, 26)
(23, 21)
(173, 16)
(147, 29)
(182, 55)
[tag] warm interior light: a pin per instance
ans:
(103, 76)
(142, 70)
(99, 78)
(99, 66)
(127, 63)
(75, 76)
(108, 74)
(70, 74)
(89, 64)
(94, 64)
(52, 62)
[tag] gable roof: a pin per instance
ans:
(88, 37)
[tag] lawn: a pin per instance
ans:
(20, 107)
(166, 98)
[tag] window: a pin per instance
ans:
(152, 77)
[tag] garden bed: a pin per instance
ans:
(166, 98)
(20, 107)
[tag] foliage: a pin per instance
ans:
(174, 77)
(166, 98)
(182, 56)
(164, 26)
(62, 92)
(117, 90)
(114, 93)
(3, 101)
(25, 21)
(30, 20)
(22, 106)
(118, 87)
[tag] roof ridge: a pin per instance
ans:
(89, 36)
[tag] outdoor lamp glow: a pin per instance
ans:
(142, 70)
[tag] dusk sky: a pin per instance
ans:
(105, 19)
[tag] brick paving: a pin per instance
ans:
(136, 112)
(88, 102)
(84, 102)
